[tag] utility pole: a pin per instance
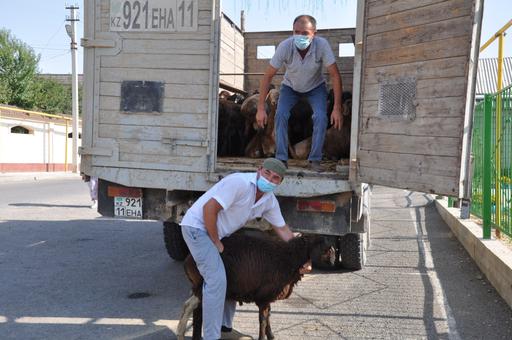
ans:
(71, 30)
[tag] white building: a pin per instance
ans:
(32, 141)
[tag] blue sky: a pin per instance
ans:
(40, 24)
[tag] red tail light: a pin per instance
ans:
(316, 206)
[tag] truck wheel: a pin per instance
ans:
(353, 251)
(174, 242)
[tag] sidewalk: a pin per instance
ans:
(6, 177)
(492, 256)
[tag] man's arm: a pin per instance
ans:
(210, 211)
(336, 118)
(284, 232)
(261, 114)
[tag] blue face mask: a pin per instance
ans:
(301, 41)
(264, 185)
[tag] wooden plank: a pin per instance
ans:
(191, 77)
(418, 145)
(441, 185)
(171, 90)
(440, 107)
(170, 105)
(446, 48)
(197, 120)
(419, 164)
(427, 126)
(428, 88)
(157, 61)
(419, 16)
(202, 34)
(193, 165)
(439, 68)
(457, 27)
(170, 46)
(158, 148)
(385, 7)
(157, 159)
(154, 133)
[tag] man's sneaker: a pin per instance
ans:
(233, 334)
(285, 163)
(316, 166)
(94, 204)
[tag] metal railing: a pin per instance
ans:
(492, 162)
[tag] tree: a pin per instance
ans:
(18, 66)
(51, 96)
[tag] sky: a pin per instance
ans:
(41, 24)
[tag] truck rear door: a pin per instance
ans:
(414, 78)
(148, 88)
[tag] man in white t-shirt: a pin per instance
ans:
(218, 213)
(304, 56)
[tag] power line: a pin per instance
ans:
(48, 48)
(56, 32)
(56, 56)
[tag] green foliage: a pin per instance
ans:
(51, 96)
(18, 66)
(20, 85)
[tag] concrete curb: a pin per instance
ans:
(36, 176)
(492, 257)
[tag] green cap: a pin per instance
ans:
(275, 165)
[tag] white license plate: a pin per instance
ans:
(153, 15)
(130, 207)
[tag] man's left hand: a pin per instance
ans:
(306, 268)
(336, 118)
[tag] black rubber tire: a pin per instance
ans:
(174, 242)
(352, 251)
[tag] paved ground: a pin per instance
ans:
(66, 273)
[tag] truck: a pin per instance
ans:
(153, 70)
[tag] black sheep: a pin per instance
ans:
(258, 269)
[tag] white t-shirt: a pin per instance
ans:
(236, 194)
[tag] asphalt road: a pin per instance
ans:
(67, 273)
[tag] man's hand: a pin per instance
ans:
(336, 118)
(219, 246)
(306, 268)
(261, 118)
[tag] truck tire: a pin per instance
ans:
(353, 251)
(174, 242)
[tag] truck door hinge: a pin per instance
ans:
(97, 43)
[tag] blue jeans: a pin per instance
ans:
(317, 98)
(216, 311)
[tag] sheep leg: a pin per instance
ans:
(188, 308)
(264, 313)
(268, 330)
(197, 323)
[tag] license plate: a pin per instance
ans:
(130, 207)
(153, 15)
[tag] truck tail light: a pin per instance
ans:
(316, 206)
(114, 191)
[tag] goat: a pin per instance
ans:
(258, 269)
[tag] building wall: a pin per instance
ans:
(43, 149)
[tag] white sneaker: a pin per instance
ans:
(94, 204)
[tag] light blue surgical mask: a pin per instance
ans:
(301, 41)
(264, 185)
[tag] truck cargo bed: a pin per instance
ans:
(333, 169)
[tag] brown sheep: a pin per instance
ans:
(258, 269)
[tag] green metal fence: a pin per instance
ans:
(492, 162)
